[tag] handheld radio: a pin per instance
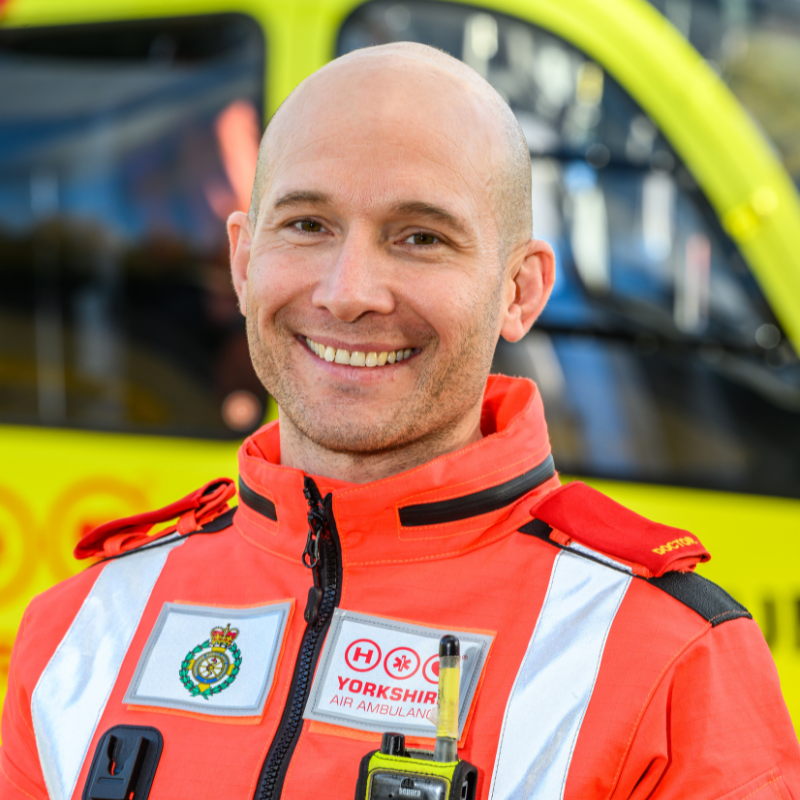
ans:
(393, 772)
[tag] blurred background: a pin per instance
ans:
(665, 155)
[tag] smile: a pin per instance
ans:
(357, 358)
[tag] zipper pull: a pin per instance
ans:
(311, 555)
(313, 602)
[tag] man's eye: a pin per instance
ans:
(308, 225)
(422, 238)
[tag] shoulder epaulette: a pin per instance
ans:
(662, 555)
(576, 512)
(200, 509)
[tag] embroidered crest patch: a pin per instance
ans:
(212, 667)
(218, 661)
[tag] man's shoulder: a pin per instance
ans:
(591, 525)
(131, 539)
(577, 513)
(204, 511)
(127, 546)
(201, 510)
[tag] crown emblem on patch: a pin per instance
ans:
(212, 666)
(223, 637)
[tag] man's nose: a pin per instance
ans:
(356, 282)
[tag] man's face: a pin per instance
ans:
(376, 238)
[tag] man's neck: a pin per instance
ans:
(300, 452)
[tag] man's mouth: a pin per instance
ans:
(358, 358)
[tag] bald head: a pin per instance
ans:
(414, 88)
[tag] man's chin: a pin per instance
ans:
(358, 439)
(356, 434)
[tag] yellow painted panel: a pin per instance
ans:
(755, 551)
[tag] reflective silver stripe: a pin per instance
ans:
(73, 690)
(556, 679)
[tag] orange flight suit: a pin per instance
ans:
(601, 665)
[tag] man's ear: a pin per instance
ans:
(529, 281)
(240, 237)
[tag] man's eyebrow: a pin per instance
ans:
(299, 198)
(419, 208)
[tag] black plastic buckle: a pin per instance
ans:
(124, 764)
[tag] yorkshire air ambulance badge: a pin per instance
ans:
(213, 665)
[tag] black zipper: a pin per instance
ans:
(323, 556)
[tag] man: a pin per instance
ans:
(261, 653)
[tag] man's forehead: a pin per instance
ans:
(354, 165)
(373, 163)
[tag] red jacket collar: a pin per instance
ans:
(368, 515)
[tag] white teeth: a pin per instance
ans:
(357, 358)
